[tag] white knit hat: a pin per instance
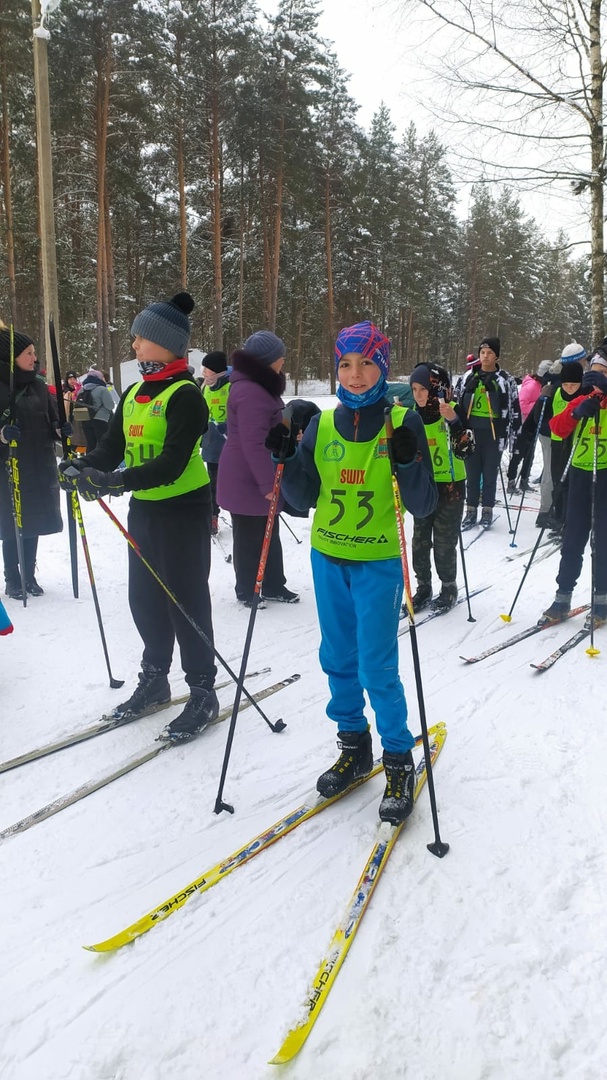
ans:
(573, 351)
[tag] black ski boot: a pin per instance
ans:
(470, 519)
(446, 598)
(153, 690)
(200, 710)
(354, 762)
(281, 596)
(33, 588)
(600, 613)
(421, 597)
(558, 610)
(13, 589)
(487, 517)
(397, 802)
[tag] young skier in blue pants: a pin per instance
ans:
(342, 467)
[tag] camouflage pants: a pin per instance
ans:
(440, 529)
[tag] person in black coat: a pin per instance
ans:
(34, 430)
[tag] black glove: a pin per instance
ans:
(472, 384)
(404, 445)
(69, 470)
(66, 430)
(275, 440)
(594, 379)
(93, 484)
(588, 406)
(10, 433)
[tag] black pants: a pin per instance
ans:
(176, 541)
(442, 529)
(94, 430)
(577, 529)
(559, 456)
(212, 468)
(522, 456)
(247, 543)
(483, 464)
(11, 558)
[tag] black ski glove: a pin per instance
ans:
(472, 384)
(93, 484)
(594, 379)
(10, 433)
(275, 440)
(404, 445)
(588, 406)
(69, 470)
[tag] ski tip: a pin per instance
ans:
(506, 618)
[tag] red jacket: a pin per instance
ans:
(564, 423)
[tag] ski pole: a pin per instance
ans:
(592, 650)
(12, 465)
(280, 724)
(499, 461)
(287, 526)
(438, 847)
(459, 530)
(227, 555)
(533, 449)
(508, 618)
(265, 547)
(67, 452)
(77, 514)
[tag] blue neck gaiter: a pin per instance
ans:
(358, 401)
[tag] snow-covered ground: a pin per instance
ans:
(487, 965)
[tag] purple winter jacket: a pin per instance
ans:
(246, 471)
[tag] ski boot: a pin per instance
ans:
(397, 801)
(470, 519)
(13, 589)
(282, 596)
(354, 762)
(201, 708)
(446, 598)
(153, 690)
(600, 614)
(511, 488)
(33, 588)
(487, 517)
(558, 610)
(421, 598)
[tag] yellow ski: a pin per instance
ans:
(346, 931)
(309, 808)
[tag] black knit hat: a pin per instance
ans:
(432, 376)
(491, 343)
(21, 342)
(216, 361)
(572, 371)
(166, 323)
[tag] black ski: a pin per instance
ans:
(127, 766)
(566, 647)
(106, 723)
(66, 446)
(529, 632)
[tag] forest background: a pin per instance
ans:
(203, 145)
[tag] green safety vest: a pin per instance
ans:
(558, 406)
(439, 446)
(145, 428)
(354, 517)
(217, 402)
(583, 457)
(481, 404)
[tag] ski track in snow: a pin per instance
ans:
(486, 965)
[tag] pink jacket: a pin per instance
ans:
(529, 392)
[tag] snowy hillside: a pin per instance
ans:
(487, 965)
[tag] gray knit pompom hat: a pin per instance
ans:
(166, 323)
